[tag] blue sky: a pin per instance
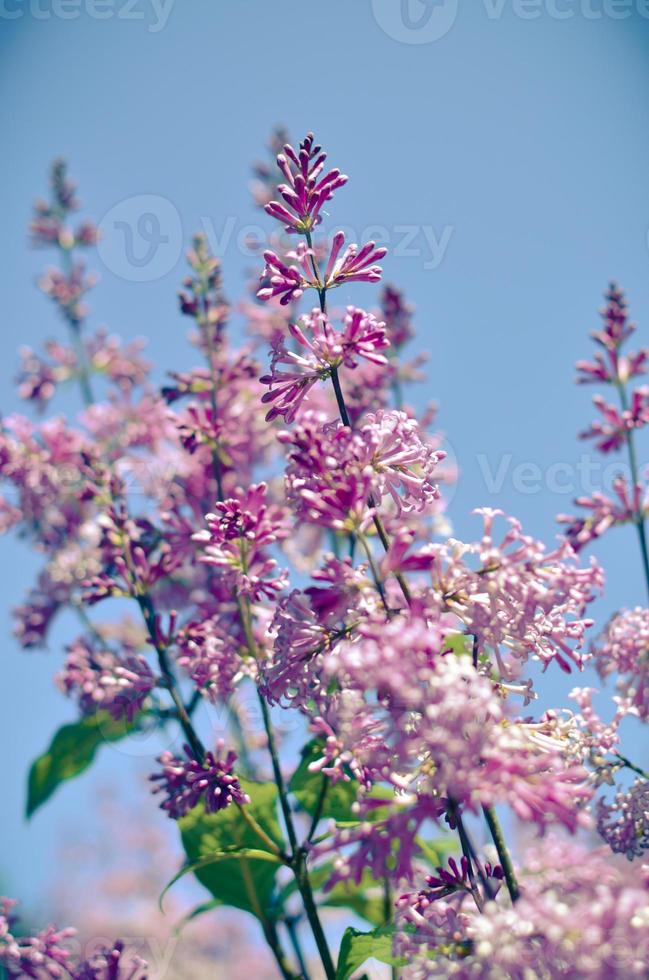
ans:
(501, 147)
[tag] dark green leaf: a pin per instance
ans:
(71, 751)
(240, 853)
(307, 787)
(356, 947)
(245, 882)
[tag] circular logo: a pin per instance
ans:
(141, 238)
(415, 21)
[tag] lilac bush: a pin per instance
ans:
(334, 592)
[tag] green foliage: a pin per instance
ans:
(357, 947)
(436, 851)
(228, 857)
(365, 899)
(307, 788)
(459, 644)
(70, 753)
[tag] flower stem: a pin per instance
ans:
(304, 885)
(261, 833)
(298, 858)
(378, 523)
(317, 813)
(294, 936)
(375, 573)
(75, 335)
(148, 612)
(503, 854)
(270, 934)
(468, 851)
(638, 517)
(631, 765)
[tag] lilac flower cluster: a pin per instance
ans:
(186, 781)
(310, 563)
(47, 954)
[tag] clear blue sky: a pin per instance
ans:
(518, 147)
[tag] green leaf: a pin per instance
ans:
(366, 899)
(460, 644)
(212, 841)
(436, 851)
(71, 751)
(356, 947)
(241, 853)
(307, 787)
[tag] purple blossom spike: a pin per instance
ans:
(186, 781)
(306, 190)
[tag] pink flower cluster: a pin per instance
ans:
(310, 564)
(187, 781)
(623, 649)
(101, 678)
(617, 425)
(578, 916)
(326, 349)
(47, 954)
(624, 824)
(306, 190)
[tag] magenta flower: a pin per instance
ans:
(305, 190)
(210, 651)
(453, 880)
(112, 964)
(287, 282)
(235, 542)
(288, 389)
(611, 366)
(363, 336)
(623, 650)
(187, 781)
(624, 824)
(521, 601)
(613, 430)
(324, 348)
(355, 265)
(397, 314)
(602, 513)
(308, 624)
(103, 679)
(43, 955)
(402, 462)
(579, 915)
